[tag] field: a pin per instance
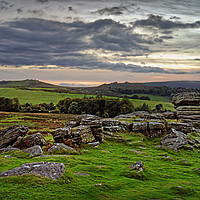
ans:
(166, 176)
(38, 96)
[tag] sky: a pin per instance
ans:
(91, 42)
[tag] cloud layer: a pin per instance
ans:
(139, 37)
(43, 42)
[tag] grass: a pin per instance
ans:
(165, 177)
(37, 97)
(154, 97)
(36, 122)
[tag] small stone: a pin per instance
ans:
(8, 156)
(94, 144)
(106, 151)
(82, 174)
(98, 184)
(135, 151)
(139, 166)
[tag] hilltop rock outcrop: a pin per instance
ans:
(86, 129)
(187, 106)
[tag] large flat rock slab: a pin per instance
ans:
(44, 169)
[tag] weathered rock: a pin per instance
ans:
(187, 106)
(98, 133)
(141, 114)
(82, 135)
(139, 127)
(34, 151)
(179, 126)
(60, 147)
(157, 116)
(9, 148)
(175, 140)
(71, 124)
(186, 99)
(169, 115)
(125, 116)
(149, 129)
(140, 120)
(126, 125)
(87, 128)
(94, 144)
(9, 135)
(110, 122)
(44, 169)
(61, 135)
(112, 128)
(156, 129)
(156, 125)
(139, 166)
(30, 141)
(81, 119)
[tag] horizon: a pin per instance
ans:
(90, 42)
(71, 84)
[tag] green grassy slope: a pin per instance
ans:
(36, 97)
(27, 83)
(166, 175)
(154, 97)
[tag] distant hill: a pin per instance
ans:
(28, 83)
(167, 89)
(175, 84)
(126, 88)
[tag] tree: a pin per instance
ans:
(73, 108)
(135, 96)
(145, 98)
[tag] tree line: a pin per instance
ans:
(101, 106)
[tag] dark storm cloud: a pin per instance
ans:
(53, 40)
(4, 5)
(42, 42)
(42, 1)
(117, 10)
(160, 23)
(175, 17)
(37, 12)
(19, 10)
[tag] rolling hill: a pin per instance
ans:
(175, 84)
(165, 89)
(29, 83)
